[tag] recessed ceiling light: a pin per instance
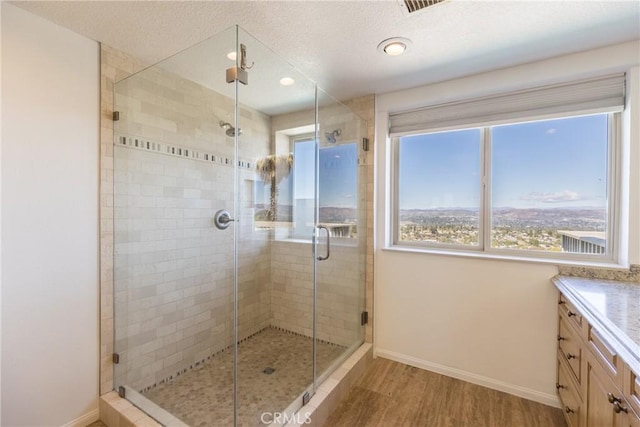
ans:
(287, 81)
(394, 46)
(232, 56)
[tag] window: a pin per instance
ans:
(549, 185)
(539, 187)
(295, 192)
(338, 192)
(529, 173)
(439, 188)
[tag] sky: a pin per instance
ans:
(337, 173)
(546, 164)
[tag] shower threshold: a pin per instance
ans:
(203, 396)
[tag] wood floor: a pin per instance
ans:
(393, 394)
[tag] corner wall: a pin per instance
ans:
(490, 322)
(114, 66)
(49, 222)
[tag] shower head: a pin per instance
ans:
(228, 129)
(331, 136)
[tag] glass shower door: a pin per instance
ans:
(275, 276)
(341, 221)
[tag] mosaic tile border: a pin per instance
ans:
(176, 151)
(301, 335)
(199, 362)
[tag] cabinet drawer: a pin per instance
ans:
(570, 348)
(606, 356)
(570, 312)
(572, 406)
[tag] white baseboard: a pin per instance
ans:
(84, 420)
(526, 393)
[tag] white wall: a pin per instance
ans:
(492, 322)
(50, 107)
(0, 223)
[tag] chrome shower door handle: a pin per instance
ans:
(326, 257)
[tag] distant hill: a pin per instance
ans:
(327, 213)
(554, 218)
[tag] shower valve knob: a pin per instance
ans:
(222, 219)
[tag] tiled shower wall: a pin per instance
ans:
(255, 295)
(339, 291)
(174, 270)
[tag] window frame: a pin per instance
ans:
(483, 248)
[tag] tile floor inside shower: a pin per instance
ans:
(204, 395)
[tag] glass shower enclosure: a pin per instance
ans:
(239, 235)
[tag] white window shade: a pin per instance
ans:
(603, 94)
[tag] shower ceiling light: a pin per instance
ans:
(232, 56)
(287, 81)
(394, 46)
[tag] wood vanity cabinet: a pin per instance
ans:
(632, 394)
(595, 386)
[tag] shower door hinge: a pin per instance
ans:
(364, 318)
(115, 357)
(236, 73)
(306, 397)
(240, 73)
(365, 144)
(116, 116)
(121, 392)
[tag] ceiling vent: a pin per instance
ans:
(410, 7)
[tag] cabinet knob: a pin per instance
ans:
(612, 398)
(561, 302)
(571, 356)
(617, 408)
(559, 386)
(568, 410)
(561, 338)
(571, 313)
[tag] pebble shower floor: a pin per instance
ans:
(204, 395)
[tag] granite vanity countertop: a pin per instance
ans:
(610, 306)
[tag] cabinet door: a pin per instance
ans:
(629, 419)
(632, 389)
(600, 392)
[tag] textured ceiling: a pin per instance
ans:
(334, 42)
